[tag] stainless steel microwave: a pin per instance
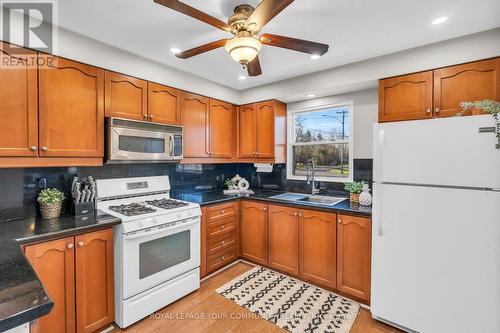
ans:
(130, 141)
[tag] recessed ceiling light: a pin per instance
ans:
(175, 50)
(242, 77)
(310, 95)
(315, 56)
(439, 20)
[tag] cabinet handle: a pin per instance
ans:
(33, 148)
(221, 227)
(81, 244)
(222, 211)
(151, 117)
(265, 208)
(222, 258)
(295, 213)
(437, 110)
(340, 221)
(70, 246)
(45, 149)
(145, 116)
(222, 243)
(256, 153)
(300, 214)
(428, 110)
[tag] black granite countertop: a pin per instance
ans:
(211, 197)
(22, 296)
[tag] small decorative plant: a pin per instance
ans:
(488, 106)
(355, 188)
(231, 184)
(50, 201)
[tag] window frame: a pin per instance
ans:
(291, 142)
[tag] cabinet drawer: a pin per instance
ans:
(221, 242)
(221, 259)
(221, 228)
(223, 211)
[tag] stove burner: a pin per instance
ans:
(167, 203)
(132, 209)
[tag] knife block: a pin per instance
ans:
(83, 208)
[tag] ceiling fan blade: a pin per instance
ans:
(265, 13)
(295, 44)
(194, 13)
(201, 49)
(253, 67)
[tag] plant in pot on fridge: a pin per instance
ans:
(50, 201)
(354, 189)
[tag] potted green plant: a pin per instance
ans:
(354, 189)
(50, 201)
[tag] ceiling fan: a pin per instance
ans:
(245, 24)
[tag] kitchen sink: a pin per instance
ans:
(310, 199)
(322, 200)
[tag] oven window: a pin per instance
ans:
(139, 144)
(162, 253)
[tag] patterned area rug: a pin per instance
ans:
(291, 304)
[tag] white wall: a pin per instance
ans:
(365, 109)
(365, 74)
(80, 48)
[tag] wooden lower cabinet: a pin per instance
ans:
(283, 226)
(318, 247)
(54, 263)
(94, 281)
(354, 256)
(78, 275)
(253, 222)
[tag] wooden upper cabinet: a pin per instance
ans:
(164, 104)
(222, 127)
(265, 132)
(194, 116)
(94, 281)
(126, 97)
(247, 125)
(283, 226)
(318, 247)
(354, 256)
(18, 105)
(253, 226)
(474, 81)
(53, 262)
(71, 110)
(406, 97)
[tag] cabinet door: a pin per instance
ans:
(405, 97)
(265, 129)
(71, 111)
(94, 281)
(469, 82)
(204, 241)
(318, 247)
(222, 129)
(254, 231)
(18, 105)
(54, 264)
(354, 256)
(194, 116)
(126, 97)
(247, 127)
(164, 104)
(284, 239)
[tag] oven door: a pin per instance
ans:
(159, 254)
(127, 144)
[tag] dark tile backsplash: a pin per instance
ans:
(19, 187)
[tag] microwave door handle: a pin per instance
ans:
(172, 142)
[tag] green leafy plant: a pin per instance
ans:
(50, 195)
(355, 187)
(230, 183)
(487, 105)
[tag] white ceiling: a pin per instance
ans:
(355, 29)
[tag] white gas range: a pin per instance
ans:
(157, 246)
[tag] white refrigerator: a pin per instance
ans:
(436, 226)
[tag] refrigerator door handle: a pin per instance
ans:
(379, 156)
(379, 214)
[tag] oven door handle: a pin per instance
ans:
(165, 231)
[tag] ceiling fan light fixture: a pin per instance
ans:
(243, 49)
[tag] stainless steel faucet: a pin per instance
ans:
(310, 176)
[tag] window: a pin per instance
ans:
(324, 135)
